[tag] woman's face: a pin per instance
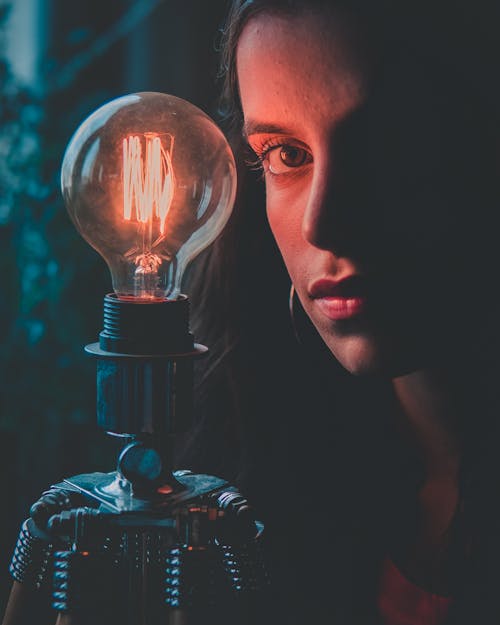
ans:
(350, 169)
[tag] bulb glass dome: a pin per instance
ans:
(149, 181)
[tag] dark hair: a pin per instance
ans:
(258, 383)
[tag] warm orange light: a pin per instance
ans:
(148, 179)
(146, 205)
(165, 490)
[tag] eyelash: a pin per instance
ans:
(260, 152)
(257, 155)
(254, 161)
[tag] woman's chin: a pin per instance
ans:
(364, 355)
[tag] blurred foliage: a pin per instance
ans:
(37, 279)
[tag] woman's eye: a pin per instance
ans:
(282, 158)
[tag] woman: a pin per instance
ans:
(376, 132)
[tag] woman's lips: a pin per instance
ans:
(339, 299)
(341, 307)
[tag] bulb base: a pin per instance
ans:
(138, 327)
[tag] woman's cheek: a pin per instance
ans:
(285, 210)
(285, 224)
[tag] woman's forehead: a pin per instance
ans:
(313, 34)
(287, 64)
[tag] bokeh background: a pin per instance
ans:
(59, 61)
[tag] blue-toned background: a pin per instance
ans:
(59, 61)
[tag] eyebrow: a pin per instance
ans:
(252, 127)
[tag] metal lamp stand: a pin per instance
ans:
(142, 545)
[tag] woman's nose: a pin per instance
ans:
(341, 213)
(318, 219)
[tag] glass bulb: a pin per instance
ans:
(149, 181)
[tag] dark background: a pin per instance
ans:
(59, 61)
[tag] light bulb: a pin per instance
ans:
(149, 181)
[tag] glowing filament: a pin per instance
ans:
(148, 182)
